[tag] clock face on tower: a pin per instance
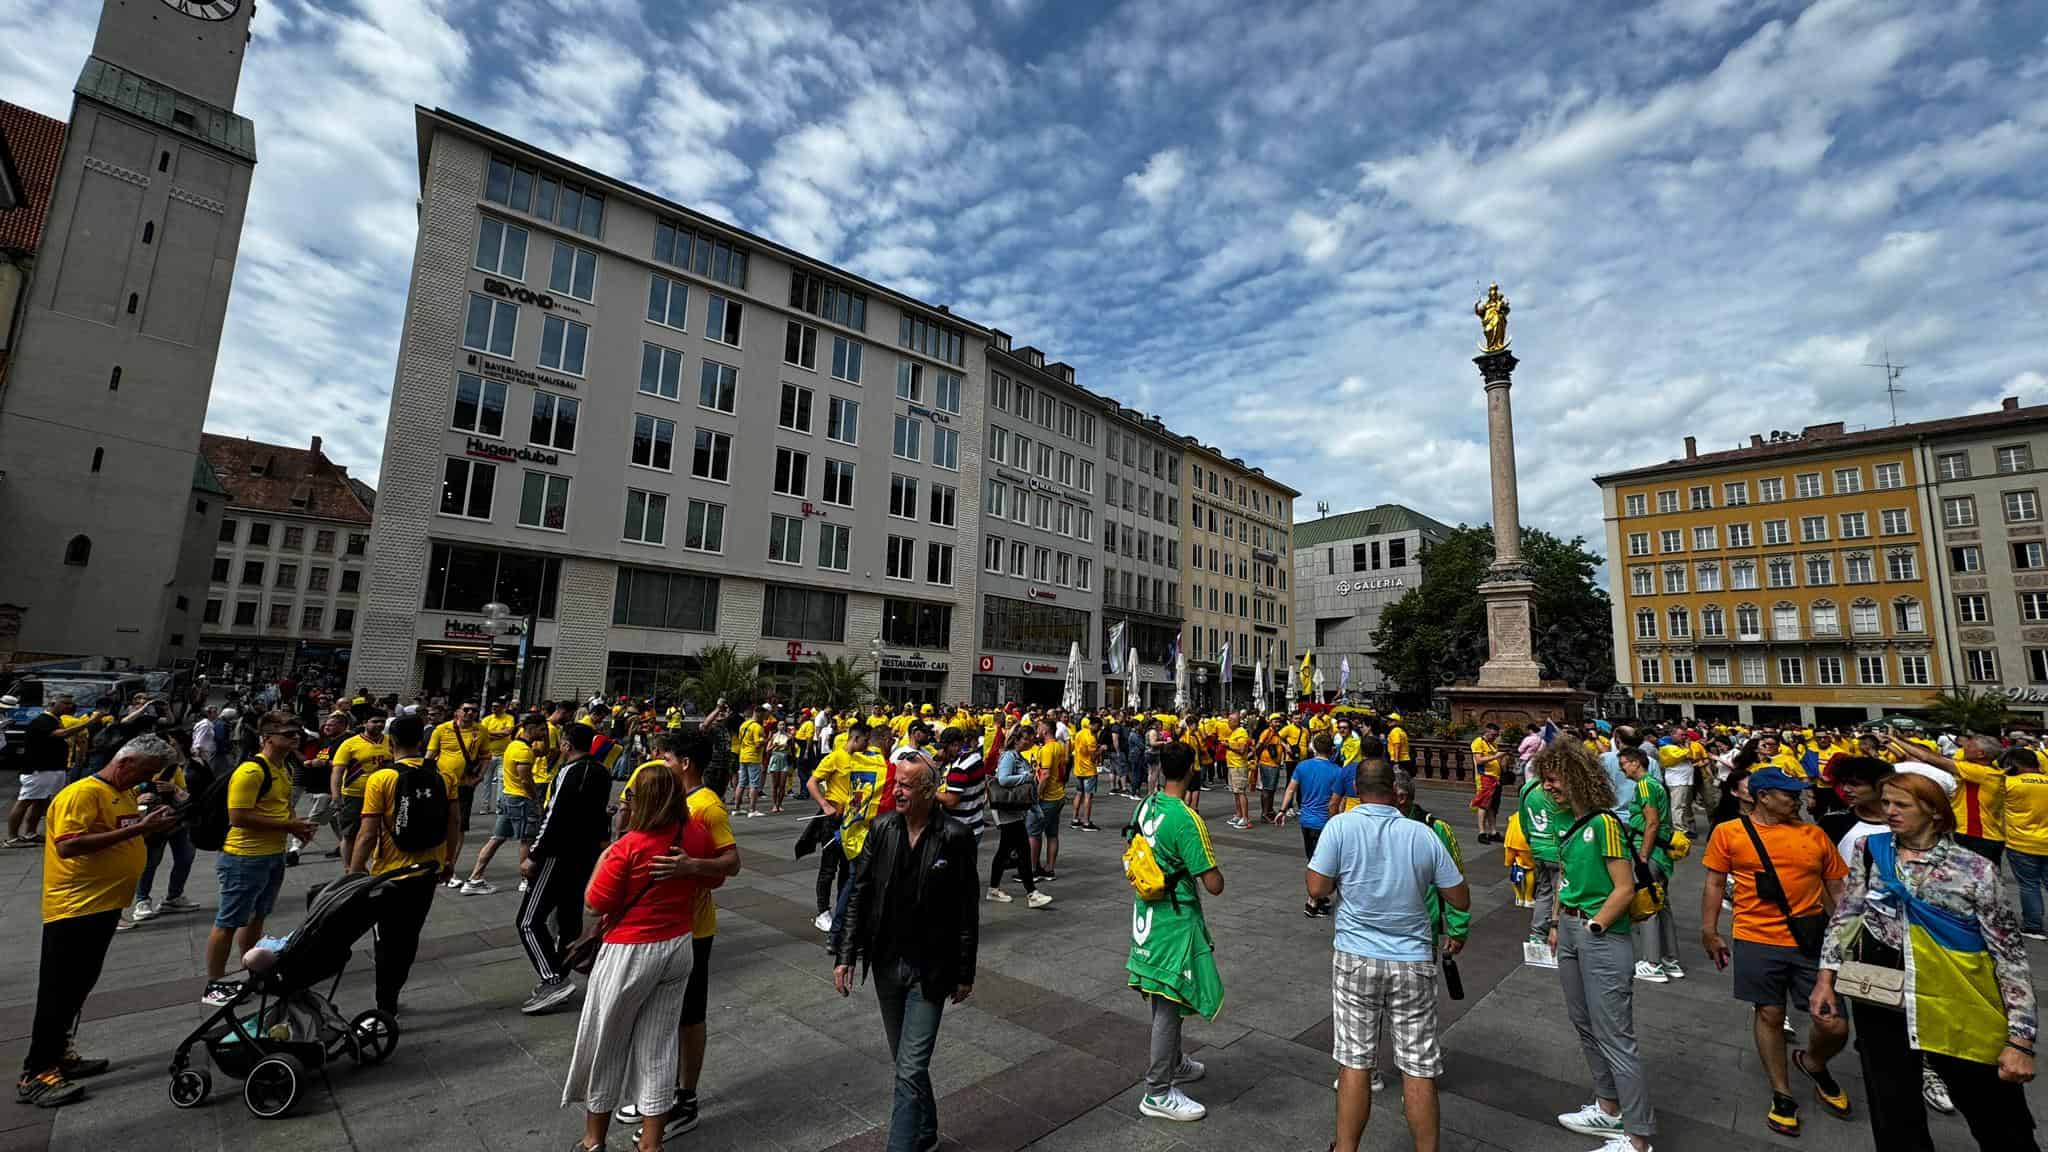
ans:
(205, 9)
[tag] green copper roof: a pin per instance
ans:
(117, 87)
(1382, 520)
(204, 479)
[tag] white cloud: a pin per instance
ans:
(1156, 181)
(1899, 254)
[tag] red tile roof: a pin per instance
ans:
(36, 143)
(269, 477)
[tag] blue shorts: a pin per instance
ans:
(1082, 785)
(1043, 819)
(1269, 778)
(248, 887)
(518, 819)
(750, 775)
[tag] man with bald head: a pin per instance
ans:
(913, 917)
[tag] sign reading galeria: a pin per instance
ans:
(1377, 584)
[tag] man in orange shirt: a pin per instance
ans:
(1787, 877)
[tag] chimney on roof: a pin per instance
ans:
(1822, 431)
(2009, 404)
(316, 445)
(1756, 440)
(1692, 447)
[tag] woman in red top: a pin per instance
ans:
(625, 1042)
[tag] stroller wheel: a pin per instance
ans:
(373, 1036)
(190, 1087)
(273, 1085)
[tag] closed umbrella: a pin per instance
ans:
(1071, 698)
(1259, 686)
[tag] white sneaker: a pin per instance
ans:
(1652, 973)
(823, 923)
(143, 910)
(1592, 1120)
(522, 886)
(1621, 1143)
(478, 887)
(1935, 1092)
(997, 895)
(1189, 1071)
(455, 882)
(1379, 1082)
(1037, 900)
(1672, 970)
(1173, 1104)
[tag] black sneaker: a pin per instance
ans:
(47, 1090)
(76, 1067)
(1043, 877)
(1309, 910)
(1090, 827)
(682, 1119)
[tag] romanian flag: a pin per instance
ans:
(1952, 1002)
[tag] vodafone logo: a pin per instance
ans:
(988, 663)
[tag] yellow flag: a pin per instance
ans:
(1308, 683)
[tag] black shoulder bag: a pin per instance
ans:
(1808, 932)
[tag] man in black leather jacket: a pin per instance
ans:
(913, 916)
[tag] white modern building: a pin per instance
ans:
(1347, 569)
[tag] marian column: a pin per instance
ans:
(1509, 593)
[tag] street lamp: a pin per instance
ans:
(498, 621)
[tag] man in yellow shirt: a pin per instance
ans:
(353, 762)
(1772, 752)
(848, 785)
(403, 904)
(1042, 820)
(1399, 754)
(497, 726)
(1237, 759)
(250, 865)
(518, 810)
(1087, 762)
(1487, 758)
(457, 745)
(93, 856)
(2026, 835)
(752, 746)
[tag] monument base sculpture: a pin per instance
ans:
(1517, 707)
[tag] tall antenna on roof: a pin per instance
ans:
(1892, 372)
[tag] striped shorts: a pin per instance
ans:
(1401, 994)
(626, 1041)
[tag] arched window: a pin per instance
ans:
(1906, 616)
(1748, 622)
(1646, 624)
(1713, 622)
(1863, 620)
(1827, 619)
(1681, 623)
(78, 551)
(1785, 620)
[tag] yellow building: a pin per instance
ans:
(1237, 540)
(1783, 582)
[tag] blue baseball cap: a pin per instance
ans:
(1776, 779)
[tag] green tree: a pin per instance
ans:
(836, 683)
(1436, 633)
(1968, 711)
(721, 673)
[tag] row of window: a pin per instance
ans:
(287, 575)
(2009, 459)
(1145, 546)
(2027, 555)
(1236, 567)
(2020, 507)
(294, 537)
(1025, 561)
(1264, 503)
(501, 250)
(1365, 557)
(311, 616)
(1812, 529)
(1900, 564)
(1209, 644)
(1151, 503)
(1913, 670)
(1140, 593)
(1040, 510)
(1824, 618)
(1975, 607)
(1980, 665)
(1149, 459)
(1045, 460)
(1043, 408)
(1245, 531)
(1263, 609)
(685, 601)
(564, 203)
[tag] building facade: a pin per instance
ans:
(1789, 581)
(648, 432)
(285, 579)
(104, 505)
(1141, 546)
(1039, 591)
(1238, 546)
(1347, 569)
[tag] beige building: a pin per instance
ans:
(285, 577)
(1143, 536)
(1237, 544)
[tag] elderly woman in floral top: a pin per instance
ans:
(1917, 900)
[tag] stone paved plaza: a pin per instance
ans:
(1048, 1054)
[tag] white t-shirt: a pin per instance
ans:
(1679, 775)
(1852, 840)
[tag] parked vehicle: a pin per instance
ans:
(34, 692)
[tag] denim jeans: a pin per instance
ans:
(2031, 871)
(180, 841)
(912, 1024)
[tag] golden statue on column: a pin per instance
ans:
(1493, 320)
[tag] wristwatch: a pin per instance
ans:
(1595, 927)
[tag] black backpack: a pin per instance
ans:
(419, 807)
(208, 821)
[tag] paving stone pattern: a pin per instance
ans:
(1049, 1053)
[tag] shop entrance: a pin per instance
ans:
(465, 672)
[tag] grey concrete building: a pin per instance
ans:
(652, 432)
(285, 572)
(1347, 569)
(105, 503)
(1984, 487)
(1039, 591)
(1237, 544)
(1141, 543)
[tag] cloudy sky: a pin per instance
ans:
(1266, 224)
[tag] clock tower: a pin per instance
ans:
(109, 513)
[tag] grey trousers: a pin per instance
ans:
(1598, 974)
(1165, 1045)
(1681, 806)
(1544, 892)
(1657, 937)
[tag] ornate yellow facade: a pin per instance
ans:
(1788, 582)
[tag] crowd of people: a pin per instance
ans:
(1862, 872)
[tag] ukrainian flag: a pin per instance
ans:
(1952, 1002)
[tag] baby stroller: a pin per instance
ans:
(295, 1027)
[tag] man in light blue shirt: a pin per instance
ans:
(1625, 736)
(1382, 867)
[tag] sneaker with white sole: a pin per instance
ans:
(522, 887)
(220, 992)
(547, 994)
(1621, 1143)
(823, 923)
(1652, 973)
(454, 882)
(1935, 1092)
(1037, 900)
(143, 910)
(1591, 1120)
(998, 896)
(1672, 969)
(1189, 1071)
(1172, 1104)
(478, 887)
(176, 904)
